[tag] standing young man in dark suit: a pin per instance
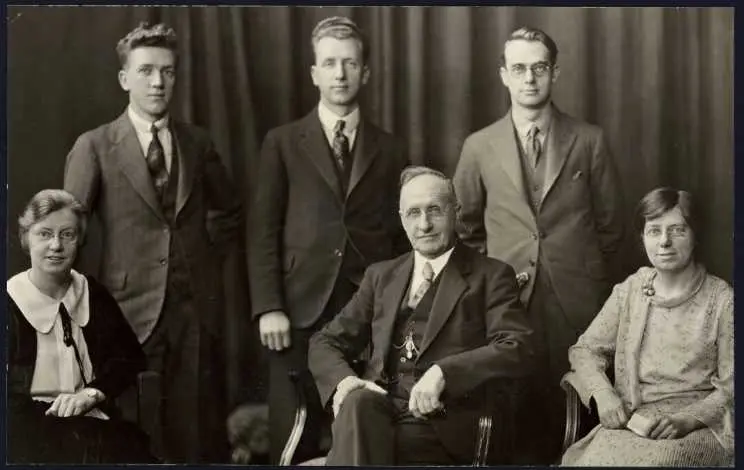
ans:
(539, 191)
(324, 209)
(150, 180)
(445, 326)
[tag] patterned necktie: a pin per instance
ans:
(340, 144)
(69, 340)
(428, 273)
(156, 163)
(532, 145)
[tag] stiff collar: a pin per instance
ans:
(41, 310)
(142, 125)
(437, 264)
(328, 118)
(523, 125)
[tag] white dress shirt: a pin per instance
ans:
(328, 120)
(56, 370)
(437, 264)
(142, 126)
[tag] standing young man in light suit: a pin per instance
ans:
(325, 208)
(539, 191)
(150, 180)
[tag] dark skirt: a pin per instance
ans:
(36, 438)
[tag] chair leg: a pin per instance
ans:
(299, 422)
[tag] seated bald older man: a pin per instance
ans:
(443, 322)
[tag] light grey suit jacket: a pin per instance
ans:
(106, 170)
(578, 226)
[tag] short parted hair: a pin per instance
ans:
(413, 171)
(660, 201)
(527, 33)
(46, 202)
(340, 27)
(145, 35)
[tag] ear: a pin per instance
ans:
(555, 74)
(123, 80)
(313, 71)
(365, 74)
(504, 74)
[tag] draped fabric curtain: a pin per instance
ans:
(658, 80)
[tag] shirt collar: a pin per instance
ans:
(437, 264)
(523, 125)
(143, 125)
(328, 118)
(41, 310)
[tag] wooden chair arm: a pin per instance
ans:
(483, 441)
(573, 416)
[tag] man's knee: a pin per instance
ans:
(361, 401)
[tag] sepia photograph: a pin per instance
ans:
(370, 235)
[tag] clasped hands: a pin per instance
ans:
(66, 405)
(425, 394)
(612, 415)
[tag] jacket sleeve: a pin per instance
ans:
(472, 198)
(342, 339)
(607, 201)
(119, 355)
(508, 352)
(595, 348)
(266, 230)
(226, 213)
(716, 410)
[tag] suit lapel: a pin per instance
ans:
(365, 149)
(448, 294)
(504, 146)
(560, 142)
(128, 154)
(186, 154)
(393, 291)
(315, 146)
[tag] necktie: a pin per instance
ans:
(69, 340)
(156, 162)
(340, 144)
(428, 274)
(532, 146)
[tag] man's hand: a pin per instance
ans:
(71, 404)
(611, 411)
(273, 327)
(674, 426)
(425, 394)
(349, 384)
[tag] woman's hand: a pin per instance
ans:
(611, 411)
(674, 426)
(73, 404)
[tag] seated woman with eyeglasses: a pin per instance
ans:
(669, 330)
(70, 350)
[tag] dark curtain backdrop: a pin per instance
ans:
(659, 81)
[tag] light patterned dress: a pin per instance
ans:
(670, 355)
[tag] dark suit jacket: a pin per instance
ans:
(107, 172)
(476, 332)
(578, 226)
(302, 224)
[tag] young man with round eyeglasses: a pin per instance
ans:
(539, 191)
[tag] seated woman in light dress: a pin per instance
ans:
(669, 330)
(70, 350)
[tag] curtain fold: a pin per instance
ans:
(659, 81)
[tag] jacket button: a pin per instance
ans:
(541, 234)
(533, 262)
(163, 261)
(534, 236)
(338, 252)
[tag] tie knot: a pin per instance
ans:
(340, 125)
(154, 129)
(428, 272)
